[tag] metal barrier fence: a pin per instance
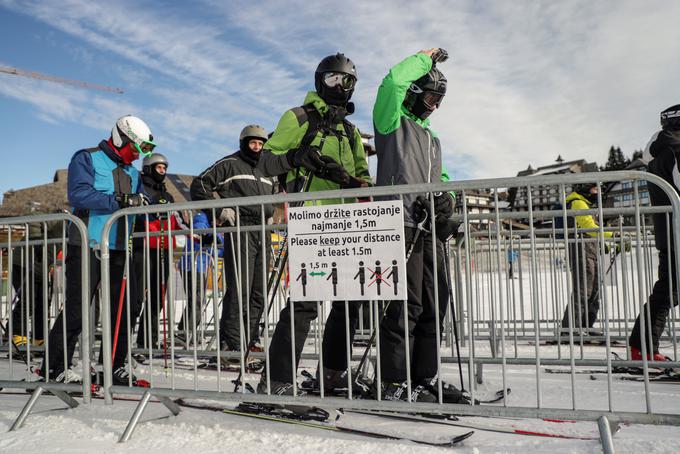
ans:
(179, 287)
(33, 262)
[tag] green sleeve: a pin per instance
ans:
(392, 91)
(287, 135)
(445, 177)
(360, 159)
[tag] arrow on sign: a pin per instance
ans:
(320, 273)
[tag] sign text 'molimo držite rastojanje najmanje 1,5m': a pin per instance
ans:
(353, 251)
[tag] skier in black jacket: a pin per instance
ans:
(237, 175)
(662, 153)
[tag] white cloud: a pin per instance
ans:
(528, 80)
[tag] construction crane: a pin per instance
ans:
(75, 83)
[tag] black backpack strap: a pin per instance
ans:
(350, 131)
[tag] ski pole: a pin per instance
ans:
(453, 310)
(123, 284)
(119, 315)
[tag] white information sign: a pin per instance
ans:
(353, 251)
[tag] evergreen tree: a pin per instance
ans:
(637, 154)
(616, 160)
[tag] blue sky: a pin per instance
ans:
(528, 80)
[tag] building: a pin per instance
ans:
(622, 193)
(480, 201)
(51, 197)
(544, 197)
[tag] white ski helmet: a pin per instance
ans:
(130, 129)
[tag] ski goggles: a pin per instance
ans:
(146, 148)
(432, 99)
(342, 80)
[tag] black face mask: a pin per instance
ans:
(157, 177)
(248, 155)
(420, 110)
(335, 96)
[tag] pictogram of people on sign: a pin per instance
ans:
(361, 275)
(394, 273)
(377, 276)
(302, 277)
(333, 276)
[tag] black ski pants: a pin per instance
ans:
(585, 281)
(249, 287)
(421, 310)
(659, 303)
(333, 343)
(31, 307)
(150, 300)
(71, 315)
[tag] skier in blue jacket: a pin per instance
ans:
(101, 180)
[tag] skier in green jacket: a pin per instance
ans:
(409, 152)
(317, 149)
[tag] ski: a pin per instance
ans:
(311, 417)
(512, 426)
(615, 370)
(670, 378)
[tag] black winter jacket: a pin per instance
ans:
(663, 156)
(235, 176)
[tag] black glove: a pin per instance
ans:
(132, 200)
(355, 183)
(308, 157)
(443, 206)
(333, 171)
(440, 56)
(446, 228)
(421, 210)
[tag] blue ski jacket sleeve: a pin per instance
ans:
(81, 191)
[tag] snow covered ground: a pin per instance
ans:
(96, 428)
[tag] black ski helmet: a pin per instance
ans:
(149, 166)
(425, 94)
(337, 63)
(670, 118)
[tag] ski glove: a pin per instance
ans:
(227, 216)
(354, 183)
(443, 206)
(307, 157)
(439, 56)
(332, 171)
(132, 200)
(421, 211)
